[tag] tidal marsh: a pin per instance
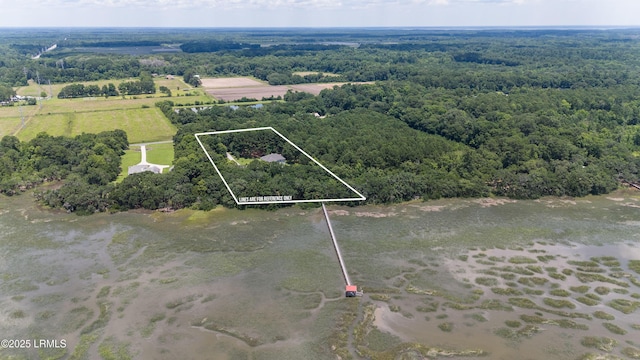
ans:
(254, 284)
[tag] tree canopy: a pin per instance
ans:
(524, 114)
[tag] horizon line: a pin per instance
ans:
(373, 27)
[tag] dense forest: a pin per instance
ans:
(518, 113)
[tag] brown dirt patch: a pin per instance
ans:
(229, 89)
(230, 94)
(221, 83)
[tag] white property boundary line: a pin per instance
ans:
(361, 197)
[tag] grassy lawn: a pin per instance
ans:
(161, 154)
(130, 157)
(8, 125)
(244, 161)
(141, 125)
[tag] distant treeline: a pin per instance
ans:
(213, 46)
(448, 59)
(80, 90)
(127, 43)
(143, 86)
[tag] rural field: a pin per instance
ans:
(136, 115)
(230, 89)
(146, 124)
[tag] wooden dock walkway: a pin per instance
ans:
(336, 247)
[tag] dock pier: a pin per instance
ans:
(351, 290)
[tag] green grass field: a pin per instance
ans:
(161, 154)
(130, 158)
(8, 125)
(136, 115)
(147, 124)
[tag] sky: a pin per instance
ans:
(318, 13)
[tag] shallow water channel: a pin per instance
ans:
(501, 279)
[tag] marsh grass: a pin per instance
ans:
(522, 260)
(563, 323)
(508, 276)
(380, 297)
(601, 343)
(485, 262)
(75, 319)
(486, 281)
(110, 348)
(45, 315)
(614, 328)
(102, 319)
(603, 315)
(570, 324)
(17, 314)
(624, 306)
(593, 297)
(591, 269)
(602, 290)
(545, 258)
(513, 323)
(558, 303)
(523, 303)
(478, 317)
(104, 292)
(587, 301)
(527, 331)
(535, 269)
(494, 304)
(532, 319)
(559, 292)
(608, 261)
(446, 326)
(592, 277)
(557, 276)
(379, 341)
(151, 326)
(82, 349)
(506, 291)
(458, 306)
(532, 281)
(429, 307)
(631, 352)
